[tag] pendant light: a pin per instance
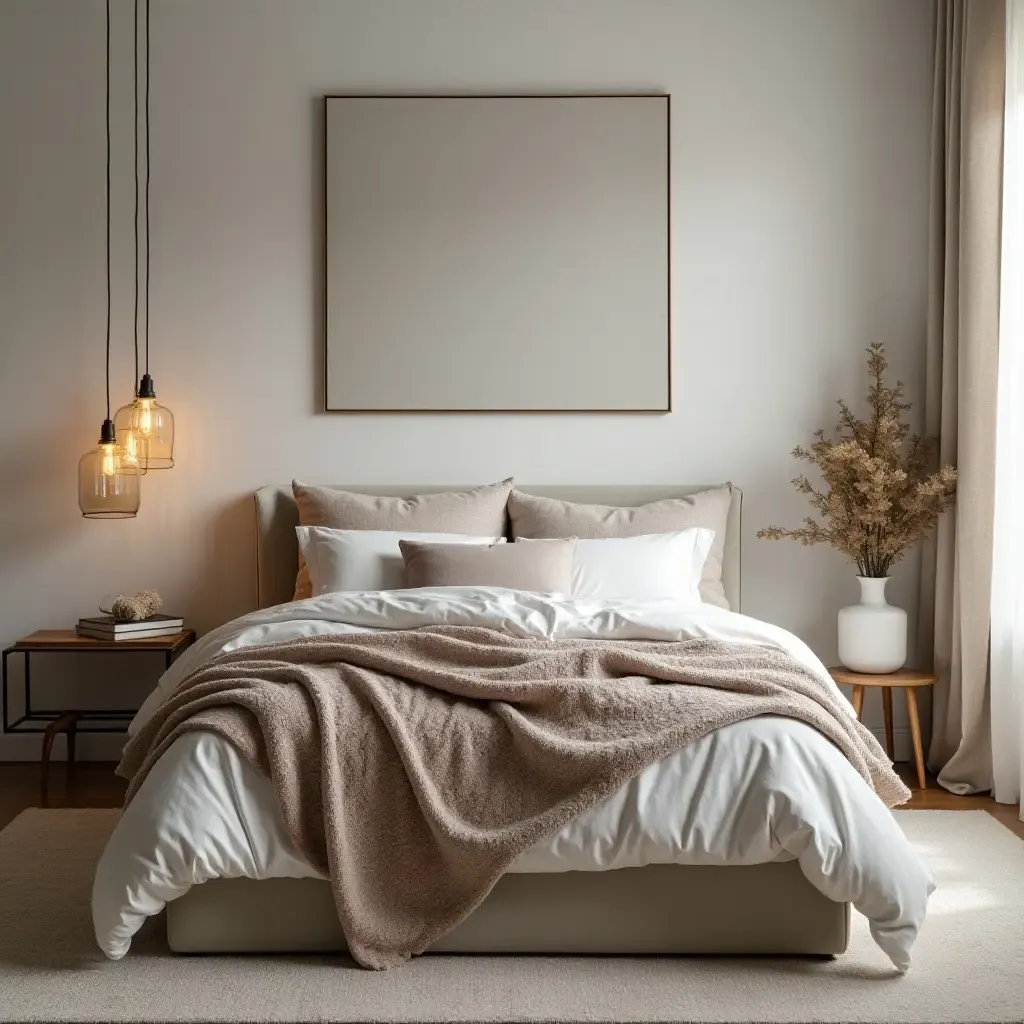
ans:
(108, 484)
(127, 435)
(145, 427)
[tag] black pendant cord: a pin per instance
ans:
(135, 150)
(147, 191)
(108, 209)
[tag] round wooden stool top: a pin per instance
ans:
(901, 677)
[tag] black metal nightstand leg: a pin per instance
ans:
(28, 686)
(5, 720)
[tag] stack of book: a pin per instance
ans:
(106, 627)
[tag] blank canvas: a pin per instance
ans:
(498, 253)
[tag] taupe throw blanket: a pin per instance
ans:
(414, 766)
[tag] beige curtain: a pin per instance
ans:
(962, 362)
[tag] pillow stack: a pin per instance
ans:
(532, 516)
(478, 512)
(670, 549)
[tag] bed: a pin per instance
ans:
(719, 901)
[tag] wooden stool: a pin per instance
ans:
(909, 679)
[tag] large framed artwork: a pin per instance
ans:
(498, 254)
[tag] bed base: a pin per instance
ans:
(660, 909)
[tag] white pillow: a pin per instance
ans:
(649, 567)
(364, 559)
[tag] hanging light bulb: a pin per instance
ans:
(133, 445)
(127, 434)
(145, 428)
(131, 448)
(108, 482)
(110, 461)
(153, 425)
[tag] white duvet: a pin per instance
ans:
(766, 789)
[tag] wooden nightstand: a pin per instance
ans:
(49, 723)
(909, 679)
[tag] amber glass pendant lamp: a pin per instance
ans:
(108, 482)
(145, 428)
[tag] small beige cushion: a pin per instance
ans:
(544, 567)
(532, 516)
(478, 512)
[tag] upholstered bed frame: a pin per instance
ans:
(659, 909)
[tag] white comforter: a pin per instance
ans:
(762, 790)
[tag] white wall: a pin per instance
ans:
(799, 162)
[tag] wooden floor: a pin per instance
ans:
(88, 784)
(93, 784)
(935, 798)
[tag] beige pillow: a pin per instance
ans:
(544, 567)
(479, 512)
(533, 516)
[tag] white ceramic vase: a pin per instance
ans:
(873, 633)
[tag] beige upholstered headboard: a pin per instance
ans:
(277, 549)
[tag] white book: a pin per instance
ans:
(109, 626)
(137, 634)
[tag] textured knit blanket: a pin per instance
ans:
(413, 767)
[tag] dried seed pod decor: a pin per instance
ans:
(879, 496)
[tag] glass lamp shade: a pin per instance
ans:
(109, 487)
(145, 431)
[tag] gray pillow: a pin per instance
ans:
(544, 567)
(532, 516)
(478, 512)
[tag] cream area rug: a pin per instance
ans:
(968, 962)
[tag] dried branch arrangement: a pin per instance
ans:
(879, 497)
